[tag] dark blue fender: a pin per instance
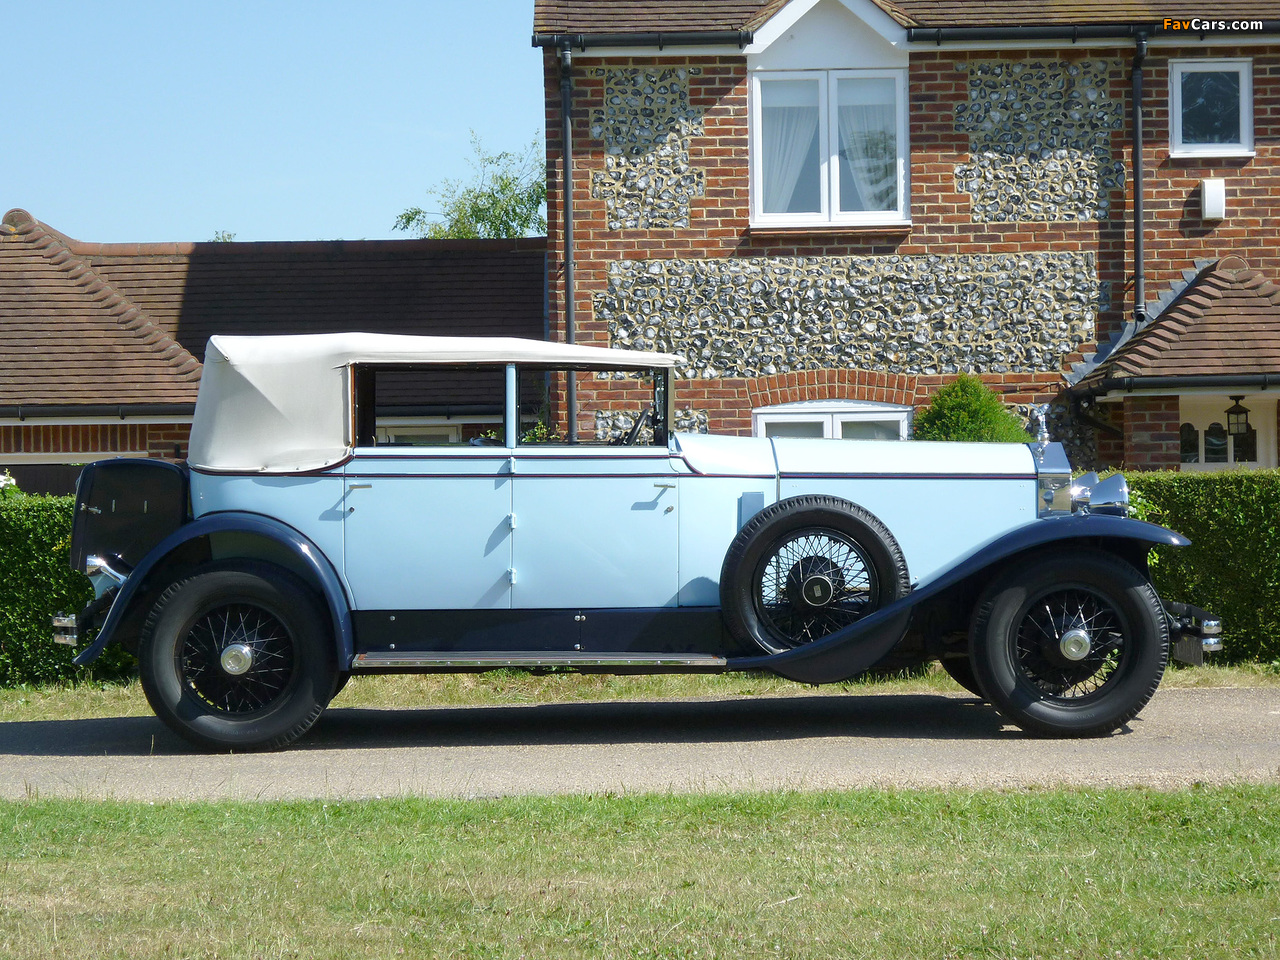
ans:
(306, 551)
(861, 645)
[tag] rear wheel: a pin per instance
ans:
(237, 656)
(1070, 645)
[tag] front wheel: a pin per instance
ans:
(237, 656)
(1070, 645)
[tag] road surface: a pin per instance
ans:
(806, 742)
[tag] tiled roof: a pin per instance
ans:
(701, 16)
(1026, 13)
(68, 339)
(1226, 322)
(644, 16)
(189, 291)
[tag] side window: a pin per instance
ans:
(621, 407)
(428, 406)
(1210, 108)
(836, 419)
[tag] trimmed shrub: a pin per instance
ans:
(967, 409)
(1232, 567)
(35, 583)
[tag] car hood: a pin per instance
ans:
(758, 456)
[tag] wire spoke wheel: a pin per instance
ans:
(1071, 643)
(260, 670)
(238, 655)
(814, 583)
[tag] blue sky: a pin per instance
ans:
(132, 120)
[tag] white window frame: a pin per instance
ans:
(828, 151)
(832, 414)
(1200, 411)
(1177, 69)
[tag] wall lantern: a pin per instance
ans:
(1237, 418)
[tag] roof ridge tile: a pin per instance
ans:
(56, 249)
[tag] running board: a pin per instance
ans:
(492, 660)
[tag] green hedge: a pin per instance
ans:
(1232, 567)
(35, 583)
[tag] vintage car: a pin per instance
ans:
(362, 503)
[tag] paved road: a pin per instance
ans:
(804, 742)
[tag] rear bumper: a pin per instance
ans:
(1193, 632)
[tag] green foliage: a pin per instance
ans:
(967, 409)
(35, 584)
(222, 236)
(506, 199)
(1232, 567)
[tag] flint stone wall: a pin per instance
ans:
(751, 317)
(1040, 141)
(646, 125)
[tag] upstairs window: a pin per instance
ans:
(829, 147)
(1210, 108)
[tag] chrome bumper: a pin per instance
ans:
(1193, 632)
(106, 582)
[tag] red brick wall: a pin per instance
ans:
(156, 440)
(1151, 433)
(941, 219)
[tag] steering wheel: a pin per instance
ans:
(634, 434)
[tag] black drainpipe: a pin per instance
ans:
(566, 141)
(1139, 221)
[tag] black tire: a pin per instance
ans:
(824, 544)
(1070, 645)
(286, 672)
(960, 669)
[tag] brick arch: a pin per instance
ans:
(841, 384)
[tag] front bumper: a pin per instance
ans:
(1193, 632)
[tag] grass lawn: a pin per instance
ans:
(1087, 874)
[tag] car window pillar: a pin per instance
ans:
(511, 409)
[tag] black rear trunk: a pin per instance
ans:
(125, 507)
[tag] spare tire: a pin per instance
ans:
(806, 567)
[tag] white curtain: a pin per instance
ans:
(790, 123)
(869, 142)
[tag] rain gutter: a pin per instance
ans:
(1262, 381)
(124, 411)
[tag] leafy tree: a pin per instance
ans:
(222, 236)
(967, 409)
(506, 198)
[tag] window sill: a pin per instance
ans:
(827, 229)
(1225, 153)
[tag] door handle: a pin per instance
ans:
(359, 486)
(665, 486)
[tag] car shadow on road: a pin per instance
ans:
(741, 720)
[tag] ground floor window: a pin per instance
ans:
(834, 419)
(1205, 440)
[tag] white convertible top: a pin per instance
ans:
(283, 404)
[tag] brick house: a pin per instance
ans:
(831, 207)
(101, 343)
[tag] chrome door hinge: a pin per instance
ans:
(511, 521)
(511, 575)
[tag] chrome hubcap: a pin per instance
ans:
(1075, 644)
(818, 591)
(237, 659)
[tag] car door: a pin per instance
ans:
(595, 528)
(429, 529)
